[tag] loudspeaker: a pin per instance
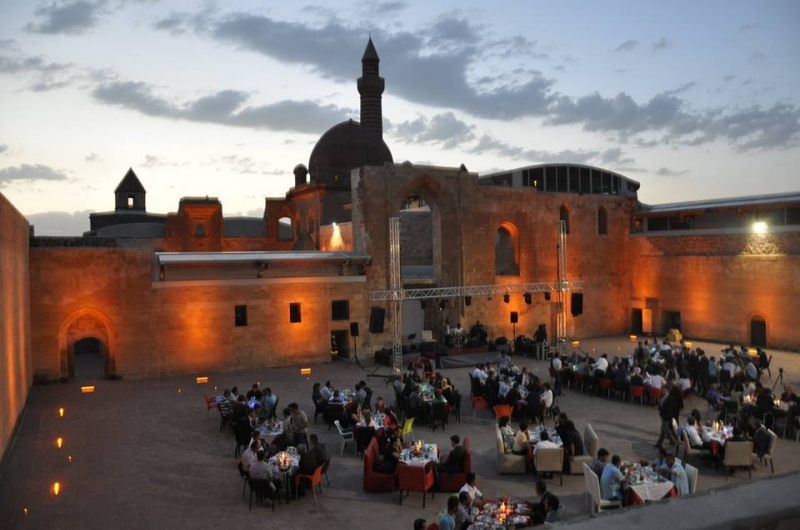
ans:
(514, 317)
(547, 296)
(376, 316)
(576, 304)
(354, 329)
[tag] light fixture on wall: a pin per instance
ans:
(442, 304)
(467, 300)
(528, 299)
(506, 298)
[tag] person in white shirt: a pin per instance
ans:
(547, 396)
(543, 443)
(730, 367)
(326, 391)
(479, 374)
(471, 487)
(250, 455)
(749, 389)
(685, 383)
(502, 389)
(521, 440)
(261, 469)
(695, 440)
(656, 381)
(601, 364)
(751, 371)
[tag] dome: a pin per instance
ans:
(343, 147)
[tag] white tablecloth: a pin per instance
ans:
(653, 491)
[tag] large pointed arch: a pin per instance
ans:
(86, 323)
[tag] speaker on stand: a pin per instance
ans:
(354, 334)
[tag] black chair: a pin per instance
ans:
(725, 381)
(245, 477)
(438, 415)
(363, 436)
(334, 411)
(264, 489)
(325, 467)
(455, 406)
(243, 436)
(319, 409)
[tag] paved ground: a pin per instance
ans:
(144, 455)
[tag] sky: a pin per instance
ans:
(695, 100)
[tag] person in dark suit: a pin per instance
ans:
(455, 460)
(307, 466)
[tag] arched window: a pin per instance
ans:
(506, 247)
(564, 216)
(602, 221)
(285, 229)
(312, 225)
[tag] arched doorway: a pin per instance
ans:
(758, 331)
(88, 359)
(87, 346)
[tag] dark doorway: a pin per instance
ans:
(636, 321)
(340, 343)
(758, 332)
(672, 320)
(88, 359)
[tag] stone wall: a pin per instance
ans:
(15, 344)
(716, 290)
(464, 221)
(162, 328)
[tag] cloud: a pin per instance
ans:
(60, 224)
(157, 161)
(226, 107)
(16, 62)
(627, 46)
(69, 18)
(93, 157)
(728, 78)
(3, 148)
(683, 88)
(756, 56)
(660, 44)
(667, 172)
(444, 129)
(487, 144)
(748, 27)
(614, 156)
(29, 172)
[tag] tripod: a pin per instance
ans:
(355, 354)
(779, 379)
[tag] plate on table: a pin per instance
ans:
(522, 520)
(522, 509)
(490, 507)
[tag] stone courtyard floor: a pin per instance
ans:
(141, 454)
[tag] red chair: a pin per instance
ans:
(503, 410)
(637, 391)
(211, 402)
(606, 385)
(479, 403)
(580, 381)
(415, 478)
(655, 394)
(375, 481)
(453, 482)
(316, 482)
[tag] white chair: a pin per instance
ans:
(772, 439)
(586, 487)
(594, 491)
(739, 454)
(691, 475)
(346, 437)
(688, 450)
(550, 461)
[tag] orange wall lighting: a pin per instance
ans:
(61, 412)
(56, 488)
(201, 380)
(87, 389)
(688, 344)
(59, 442)
(633, 337)
(306, 372)
(576, 343)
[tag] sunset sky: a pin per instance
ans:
(693, 99)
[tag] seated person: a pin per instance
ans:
(465, 515)
(675, 472)
(250, 455)
(391, 456)
(262, 470)
(613, 481)
(336, 397)
(573, 443)
(544, 443)
(636, 378)
(539, 509)
(367, 420)
(471, 487)
(660, 462)
(455, 460)
(521, 440)
(696, 440)
(600, 461)
(551, 505)
(307, 466)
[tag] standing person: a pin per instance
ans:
(555, 364)
(541, 340)
(669, 410)
(299, 424)
(447, 519)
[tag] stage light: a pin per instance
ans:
(56, 488)
(506, 298)
(61, 412)
(467, 300)
(442, 305)
(760, 227)
(528, 299)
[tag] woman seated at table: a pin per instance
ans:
(367, 420)
(447, 389)
(522, 440)
(506, 431)
(392, 455)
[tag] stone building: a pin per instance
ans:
(194, 291)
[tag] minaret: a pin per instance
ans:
(370, 86)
